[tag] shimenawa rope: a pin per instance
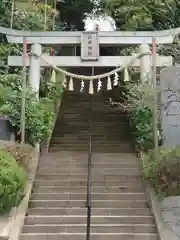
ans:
(100, 76)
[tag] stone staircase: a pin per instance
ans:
(110, 128)
(120, 207)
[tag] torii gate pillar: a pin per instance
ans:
(145, 61)
(34, 68)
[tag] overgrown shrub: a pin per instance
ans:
(140, 101)
(163, 173)
(23, 153)
(142, 128)
(12, 182)
(39, 114)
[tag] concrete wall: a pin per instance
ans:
(170, 208)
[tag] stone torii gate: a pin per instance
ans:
(90, 43)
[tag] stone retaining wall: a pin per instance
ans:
(170, 208)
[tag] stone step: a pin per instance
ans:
(80, 146)
(74, 176)
(109, 144)
(70, 130)
(95, 211)
(96, 157)
(75, 163)
(95, 120)
(95, 203)
(94, 189)
(115, 150)
(81, 228)
(84, 183)
(83, 171)
(96, 125)
(99, 149)
(79, 219)
(83, 137)
(57, 167)
(94, 236)
(102, 137)
(96, 178)
(75, 155)
(96, 109)
(76, 135)
(85, 114)
(109, 163)
(84, 164)
(96, 112)
(83, 196)
(97, 142)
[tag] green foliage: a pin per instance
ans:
(23, 153)
(163, 173)
(142, 127)
(39, 114)
(52, 89)
(12, 182)
(144, 15)
(5, 7)
(5, 50)
(26, 18)
(73, 12)
(141, 100)
(32, 17)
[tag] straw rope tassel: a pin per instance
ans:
(91, 89)
(99, 85)
(71, 87)
(109, 85)
(64, 82)
(116, 79)
(126, 75)
(82, 86)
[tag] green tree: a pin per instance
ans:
(146, 15)
(72, 13)
(26, 18)
(143, 15)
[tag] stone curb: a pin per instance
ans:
(164, 230)
(13, 228)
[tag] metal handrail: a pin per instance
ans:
(88, 228)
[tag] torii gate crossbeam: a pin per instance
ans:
(105, 38)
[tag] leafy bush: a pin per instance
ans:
(142, 128)
(141, 101)
(163, 173)
(12, 182)
(39, 114)
(23, 153)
